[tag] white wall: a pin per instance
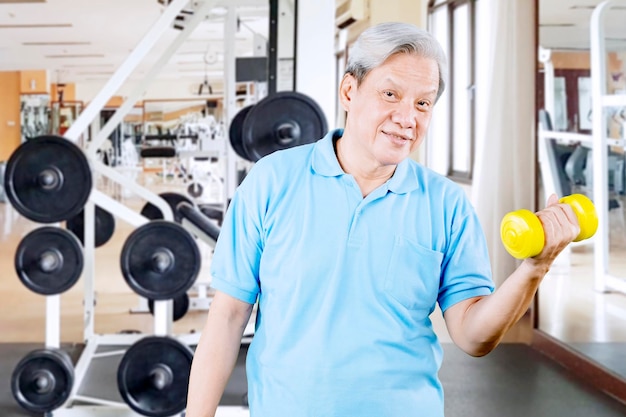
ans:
(315, 64)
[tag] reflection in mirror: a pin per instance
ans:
(582, 301)
(167, 117)
(192, 125)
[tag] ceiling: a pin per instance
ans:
(565, 24)
(88, 40)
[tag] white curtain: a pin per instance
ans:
(504, 171)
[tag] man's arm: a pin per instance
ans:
(216, 354)
(478, 324)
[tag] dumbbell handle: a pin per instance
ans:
(522, 233)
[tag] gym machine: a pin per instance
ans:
(56, 185)
(602, 102)
(34, 115)
(160, 259)
(605, 171)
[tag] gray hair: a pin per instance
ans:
(377, 43)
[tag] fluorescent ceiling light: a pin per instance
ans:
(21, 1)
(37, 26)
(54, 43)
(76, 56)
(85, 65)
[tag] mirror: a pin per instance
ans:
(580, 303)
(164, 117)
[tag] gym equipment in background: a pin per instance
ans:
(153, 376)
(48, 179)
(152, 212)
(104, 226)
(181, 306)
(42, 380)
(160, 260)
(279, 121)
(49, 260)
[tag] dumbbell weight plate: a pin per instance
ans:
(195, 189)
(160, 260)
(48, 179)
(282, 120)
(42, 380)
(180, 308)
(152, 212)
(49, 260)
(104, 226)
(235, 132)
(522, 234)
(585, 212)
(153, 376)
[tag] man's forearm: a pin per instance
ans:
(214, 361)
(487, 320)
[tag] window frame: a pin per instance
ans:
(451, 5)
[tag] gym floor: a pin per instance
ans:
(514, 380)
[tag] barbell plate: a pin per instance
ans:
(49, 260)
(195, 189)
(42, 380)
(48, 179)
(160, 260)
(267, 125)
(152, 212)
(153, 376)
(235, 132)
(181, 306)
(104, 226)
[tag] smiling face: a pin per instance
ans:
(389, 113)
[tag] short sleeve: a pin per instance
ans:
(237, 255)
(466, 269)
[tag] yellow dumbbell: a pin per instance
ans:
(522, 232)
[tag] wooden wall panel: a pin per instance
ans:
(9, 113)
(34, 82)
(69, 92)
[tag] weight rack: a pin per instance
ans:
(99, 346)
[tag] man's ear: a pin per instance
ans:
(346, 89)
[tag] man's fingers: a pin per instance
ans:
(552, 200)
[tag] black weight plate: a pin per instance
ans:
(181, 306)
(49, 260)
(69, 173)
(104, 226)
(263, 126)
(152, 212)
(42, 380)
(138, 260)
(146, 358)
(235, 132)
(195, 189)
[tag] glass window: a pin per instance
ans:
(451, 152)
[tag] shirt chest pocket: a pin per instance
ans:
(413, 275)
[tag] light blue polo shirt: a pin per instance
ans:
(346, 284)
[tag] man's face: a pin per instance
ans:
(389, 113)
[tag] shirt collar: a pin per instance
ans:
(325, 163)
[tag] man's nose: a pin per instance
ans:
(405, 115)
